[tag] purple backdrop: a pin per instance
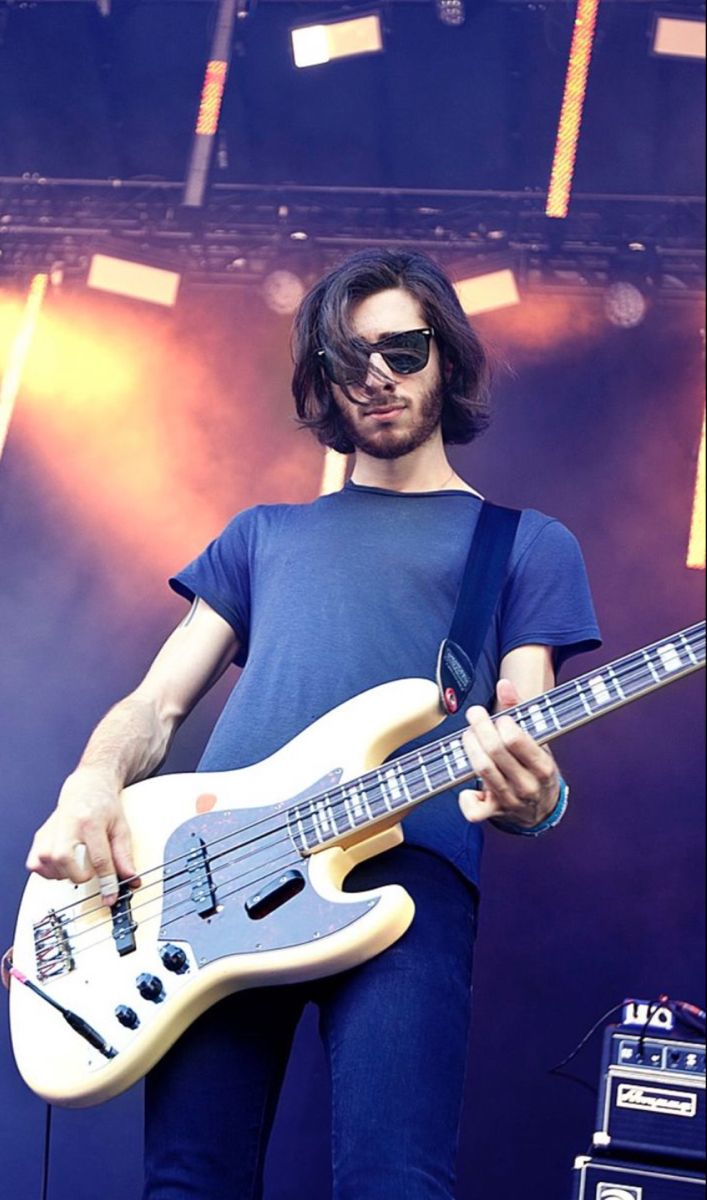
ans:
(594, 425)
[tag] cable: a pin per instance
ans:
(559, 1068)
(44, 1188)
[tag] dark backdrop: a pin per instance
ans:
(475, 107)
(110, 480)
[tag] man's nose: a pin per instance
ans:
(378, 376)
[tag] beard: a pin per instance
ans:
(389, 443)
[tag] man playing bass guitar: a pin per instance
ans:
(318, 603)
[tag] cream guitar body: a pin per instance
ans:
(242, 877)
(70, 945)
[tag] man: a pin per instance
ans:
(318, 603)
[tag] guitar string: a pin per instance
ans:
(431, 749)
(222, 884)
(570, 687)
(233, 861)
(163, 912)
(171, 890)
(278, 866)
(431, 764)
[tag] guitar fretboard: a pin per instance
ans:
(405, 782)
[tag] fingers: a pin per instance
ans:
(477, 806)
(518, 777)
(122, 849)
(79, 848)
(493, 751)
(507, 694)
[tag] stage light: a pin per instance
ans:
(316, 44)
(625, 304)
(485, 293)
(19, 352)
(211, 98)
(680, 37)
(209, 115)
(451, 12)
(562, 177)
(123, 277)
(697, 554)
(283, 291)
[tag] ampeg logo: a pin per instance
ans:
(659, 1101)
(612, 1191)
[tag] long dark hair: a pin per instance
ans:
(323, 321)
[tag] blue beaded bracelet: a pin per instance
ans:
(550, 822)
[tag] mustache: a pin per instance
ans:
(375, 397)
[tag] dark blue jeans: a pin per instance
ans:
(395, 1031)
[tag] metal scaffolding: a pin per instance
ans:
(246, 231)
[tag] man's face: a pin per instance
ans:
(392, 414)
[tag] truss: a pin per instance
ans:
(246, 231)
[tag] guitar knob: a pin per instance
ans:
(150, 987)
(127, 1016)
(174, 959)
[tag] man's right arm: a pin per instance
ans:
(129, 744)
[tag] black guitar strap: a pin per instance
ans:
(484, 577)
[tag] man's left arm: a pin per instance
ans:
(521, 782)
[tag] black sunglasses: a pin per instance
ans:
(404, 353)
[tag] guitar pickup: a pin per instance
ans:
(203, 892)
(123, 924)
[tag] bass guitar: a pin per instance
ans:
(242, 875)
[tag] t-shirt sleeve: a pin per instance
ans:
(547, 600)
(221, 575)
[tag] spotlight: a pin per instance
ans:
(451, 12)
(133, 279)
(485, 293)
(625, 304)
(632, 278)
(680, 37)
(316, 44)
(282, 292)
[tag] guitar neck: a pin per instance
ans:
(402, 784)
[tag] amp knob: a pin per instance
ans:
(174, 959)
(150, 988)
(127, 1016)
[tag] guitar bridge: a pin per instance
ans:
(52, 948)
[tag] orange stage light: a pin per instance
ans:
(151, 443)
(212, 98)
(18, 354)
(696, 554)
(558, 200)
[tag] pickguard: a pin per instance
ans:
(246, 850)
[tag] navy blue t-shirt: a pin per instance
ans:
(357, 589)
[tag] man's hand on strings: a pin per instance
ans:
(520, 780)
(86, 836)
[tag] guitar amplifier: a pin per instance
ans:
(652, 1097)
(602, 1180)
